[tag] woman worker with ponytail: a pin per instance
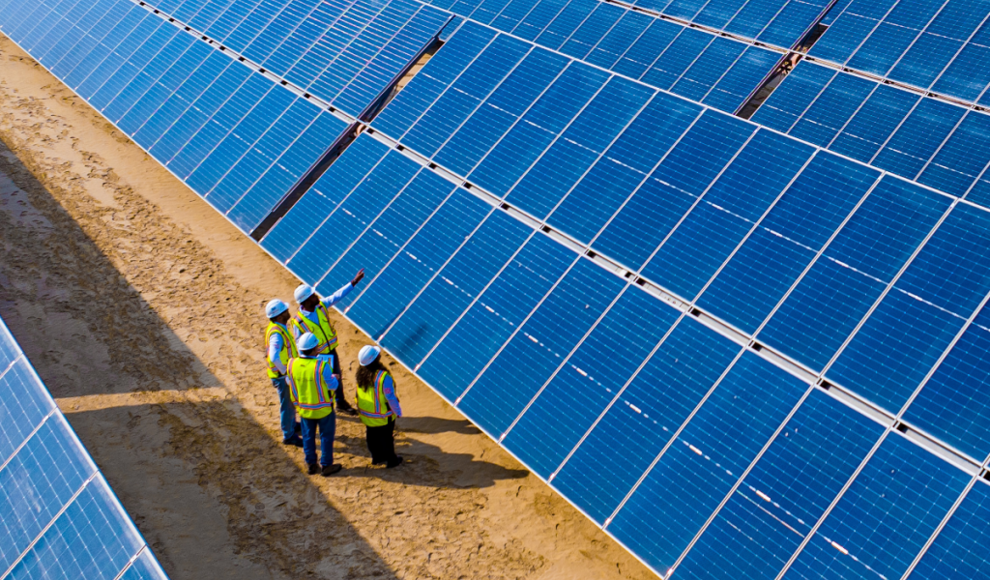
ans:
(378, 406)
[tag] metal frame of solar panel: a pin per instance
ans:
(763, 355)
(59, 517)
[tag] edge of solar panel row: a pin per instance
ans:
(61, 519)
(452, 263)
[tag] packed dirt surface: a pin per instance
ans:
(141, 308)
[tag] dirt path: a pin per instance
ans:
(141, 308)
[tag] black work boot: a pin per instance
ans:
(314, 468)
(329, 470)
(394, 463)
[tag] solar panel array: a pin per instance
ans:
(744, 349)
(58, 516)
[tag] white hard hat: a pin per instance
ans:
(307, 341)
(368, 354)
(303, 292)
(274, 308)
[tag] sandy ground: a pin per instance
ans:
(141, 307)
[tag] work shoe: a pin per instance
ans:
(329, 470)
(394, 463)
(345, 407)
(295, 441)
(298, 427)
(314, 468)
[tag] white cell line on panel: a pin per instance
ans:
(896, 420)
(474, 300)
(23, 444)
(687, 309)
(556, 14)
(402, 249)
(692, 63)
(566, 359)
(721, 77)
(835, 501)
(600, 38)
(814, 100)
(371, 222)
(55, 25)
(449, 87)
(921, 32)
(900, 124)
(981, 175)
(261, 30)
(112, 50)
(298, 23)
(754, 338)
(235, 25)
(41, 20)
(673, 438)
(83, 37)
(959, 50)
(398, 30)
(58, 514)
(639, 36)
(635, 276)
(818, 254)
(518, 327)
(742, 477)
(941, 145)
(347, 196)
(202, 5)
(275, 158)
(348, 45)
(154, 83)
(553, 142)
(543, 222)
(325, 27)
(945, 521)
(189, 103)
(656, 60)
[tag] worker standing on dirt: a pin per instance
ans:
(378, 406)
(312, 384)
(280, 348)
(314, 317)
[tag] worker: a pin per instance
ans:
(312, 385)
(314, 317)
(280, 348)
(378, 406)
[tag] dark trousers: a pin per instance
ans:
(338, 395)
(286, 410)
(328, 428)
(381, 442)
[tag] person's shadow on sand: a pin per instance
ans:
(428, 465)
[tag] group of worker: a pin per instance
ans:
(303, 365)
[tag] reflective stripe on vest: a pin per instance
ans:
(288, 348)
(372, 404)
(324, 331)
(308, 390)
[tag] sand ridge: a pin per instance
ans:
(141, 308)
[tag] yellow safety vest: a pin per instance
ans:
(372, 404)
(310, 393)
(288, 347)
(325, 332)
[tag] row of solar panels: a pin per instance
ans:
(936, 143)
(715, 70)
(777, 22)
(943, 47)
(238, 138)
(645, 418)
(58, 516)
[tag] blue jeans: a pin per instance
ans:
(287, 411)
(327, 427)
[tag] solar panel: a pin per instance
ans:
(58, 516)
(939, 144)
(936, 46)
(741, 348)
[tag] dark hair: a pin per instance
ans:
(366, 375)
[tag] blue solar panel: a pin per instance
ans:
(959, 551)
(775, 507)
(58, 518)
(902, 491)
